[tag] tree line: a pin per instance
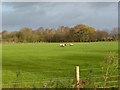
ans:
(78, 33)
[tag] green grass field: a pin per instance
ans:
(46, 61)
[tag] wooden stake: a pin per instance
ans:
(77, 77)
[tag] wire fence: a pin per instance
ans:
(87, 81)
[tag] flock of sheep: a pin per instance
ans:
(65, 44)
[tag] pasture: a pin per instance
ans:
(47, 61)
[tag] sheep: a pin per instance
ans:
(65, 44)
(71, 44)
(62, 45)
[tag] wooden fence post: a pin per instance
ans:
(77, 78)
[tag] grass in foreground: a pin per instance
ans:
(48, 61)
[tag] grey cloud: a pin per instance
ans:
(54, 14)
(18, 5)
(101, 4)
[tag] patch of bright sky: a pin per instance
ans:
(6, 8)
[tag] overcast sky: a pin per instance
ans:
(101, 15)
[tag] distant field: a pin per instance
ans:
(45, 61)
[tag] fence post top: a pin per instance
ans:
(77, 66)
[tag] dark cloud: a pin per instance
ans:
(53, 14)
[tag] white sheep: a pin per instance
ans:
(71, 44)
(62, 45)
